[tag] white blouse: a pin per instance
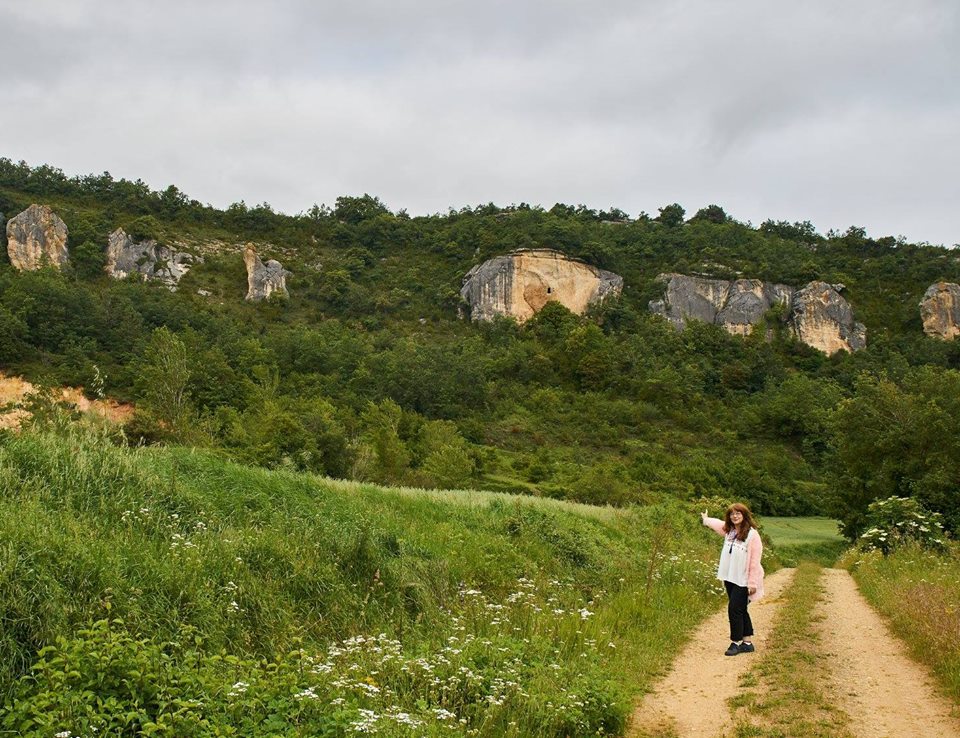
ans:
(734, 558)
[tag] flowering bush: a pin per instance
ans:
(896, 520)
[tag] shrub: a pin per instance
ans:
(897, 520)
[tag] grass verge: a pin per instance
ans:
(784, 694)
(919, 592)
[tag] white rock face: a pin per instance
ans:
(816, 314)
(823, 319)
(748, 301)
(736, 306)
(147, 258)
(35, 237)
(519, 284)
(940, 310)
(263, 279)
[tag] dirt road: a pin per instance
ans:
(692, 698)
(873, 680)
(885, 692)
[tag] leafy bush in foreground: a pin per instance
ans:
(898, 520)
(524, 661)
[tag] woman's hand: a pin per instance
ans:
(703, 516)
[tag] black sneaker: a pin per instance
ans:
(747, 647)
(733, 650)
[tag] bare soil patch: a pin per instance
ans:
(14, 389)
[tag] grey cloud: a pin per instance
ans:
(816, 110)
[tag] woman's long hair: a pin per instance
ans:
(745, 525)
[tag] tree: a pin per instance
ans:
(799, 231)
(711, 214)
(354, 210)
(671, 215)
(13, 331)
(164, 379)
(88, 260)
(447, 461)
(898, 440)
(387, 459)
(143, 228)
(172, 200)
(798, 410)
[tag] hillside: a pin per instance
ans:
(365, 370)
(166, 591)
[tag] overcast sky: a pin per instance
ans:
(841, 112)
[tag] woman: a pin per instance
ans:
(740, 571)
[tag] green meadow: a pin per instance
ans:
(804, 538)
(786, 532)
(166, 591)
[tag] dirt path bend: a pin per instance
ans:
(885, 692)
(693, 696)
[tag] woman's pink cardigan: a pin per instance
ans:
(754, 552)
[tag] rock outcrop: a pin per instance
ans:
(737, 305)
(149, 259)
(816, 314)
(35, 237)
(940, 310)
(823, 319)
(263, 279)
(519, 284)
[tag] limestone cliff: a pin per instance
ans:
(263, 279)
(147, 258)
(823, 319)
(940, 310)
(748, 301)
(816, 314)
(737, 305)
(35, 237)
(519, 284)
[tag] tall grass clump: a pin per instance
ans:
(918, 589)
(170, 592)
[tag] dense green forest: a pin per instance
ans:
(366, 371)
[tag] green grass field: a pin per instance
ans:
(804, 539)
(197, 597)
(801, 531)
(476, 498)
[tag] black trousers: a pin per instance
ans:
(740, 625)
